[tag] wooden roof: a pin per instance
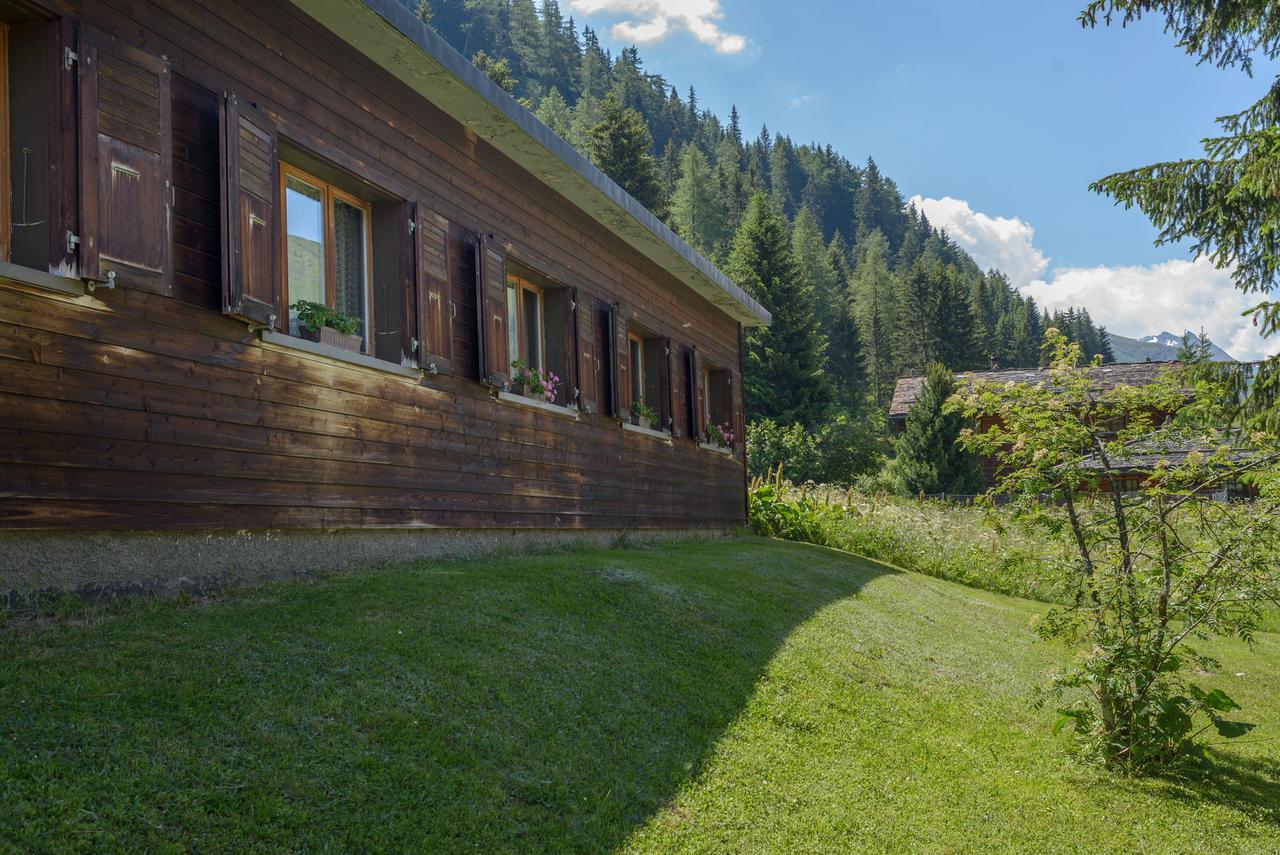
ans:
(1103, 376)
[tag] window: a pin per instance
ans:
(327, 256)
(540, 326)
(526, 323)
(646, 404)
(24, 146)
(717, 412)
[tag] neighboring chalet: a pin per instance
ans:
(1102, 377)
(182, 174)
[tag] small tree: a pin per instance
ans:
(620, 145)
(1155, 568)
(930, 457)
(497, 70)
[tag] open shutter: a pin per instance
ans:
(733, 396)
(491, 314)
(670, 395)
(435, 308)
(250, 226)
(621, 363)
(126, 163)
(698, 421)
(587, 382)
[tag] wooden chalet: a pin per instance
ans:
(181, 175)
(1101, 378)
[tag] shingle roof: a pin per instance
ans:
(1104, 376)
(1146, 453)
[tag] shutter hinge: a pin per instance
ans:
(413, 227)
(413, 345)
(73, 241)
(69, 58)
(573, 305)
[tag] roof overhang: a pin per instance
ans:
(394, 38)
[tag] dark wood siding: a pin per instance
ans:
(127, 409)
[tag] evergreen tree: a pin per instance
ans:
(696, 212)
(554, 113)
(620, 145)
(527, 47)
(846, 361)
(954, 326)
(593, 68)
(786, 177)
(497, 70)
(929, 459)
(916, 343)
(785, 378)
(874, 289)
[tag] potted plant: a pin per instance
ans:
(325, 324)
(643, 414)
(534, 384)
(720, 436)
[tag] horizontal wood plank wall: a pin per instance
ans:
(125, 409)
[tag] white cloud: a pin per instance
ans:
(802, 100)
(1133, 300)
(1005, 243)
(1173, 295)
(650, 21)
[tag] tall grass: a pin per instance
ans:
(966, 544)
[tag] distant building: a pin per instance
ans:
(1104, 377)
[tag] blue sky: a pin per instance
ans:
(998, 115)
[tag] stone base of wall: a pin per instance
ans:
(99, 566)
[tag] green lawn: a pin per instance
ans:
(736, 696)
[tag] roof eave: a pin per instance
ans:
(433, 69)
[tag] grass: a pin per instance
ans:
(747, 695)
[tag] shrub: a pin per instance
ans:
(838, 453)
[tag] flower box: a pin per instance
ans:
(333, 338)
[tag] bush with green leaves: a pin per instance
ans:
(840, 452)
(773, 512)
(1153, 569)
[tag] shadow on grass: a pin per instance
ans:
(1236, 782)
(549, 703)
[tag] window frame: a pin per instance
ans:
(520, 285)
(635, 366)
(330, 195)
(710, 374)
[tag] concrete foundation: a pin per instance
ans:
(98, 566)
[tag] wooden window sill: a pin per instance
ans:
(709, 446)
(534, 404)
(660, 435)
(41, 279)
(348, 356)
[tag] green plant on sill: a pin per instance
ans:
(313, 316)
(641, 410)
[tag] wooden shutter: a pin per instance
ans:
(435, 308)
(670, 393)
(587, 382)
(126, 163)
(491, 313)
(698, 422)
(250, 219)
(621, 362)
(733, 406)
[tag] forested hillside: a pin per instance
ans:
(862, 287)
